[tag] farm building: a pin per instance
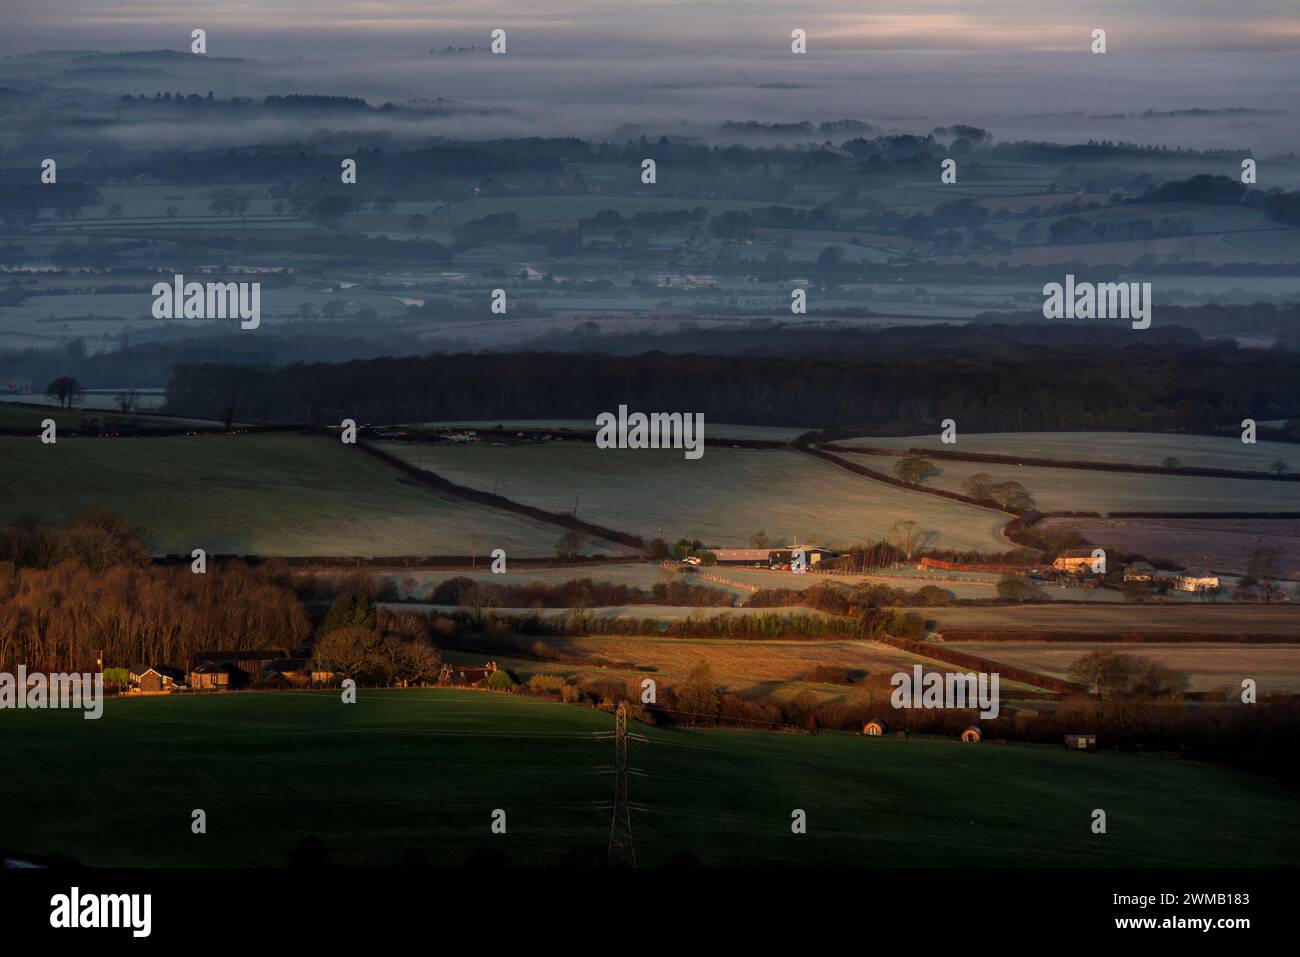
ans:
(743, 556)
(812, 554)
(1196, 583)
(1139, 572)
(1075, 560)
(250, 662)
(972, 735)
(875, 729)
(291, 672)
(157, 679)
(1081, 742)
(770, 557)
(464, 674)
(217, 676)
(15, 385)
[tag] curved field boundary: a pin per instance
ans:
(821, 453)
(561, 519)
(996, 459)
(1016, 526)
(926, 649)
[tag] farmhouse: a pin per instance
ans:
(1139, 572)
(1197, 583)
(213, 676)
(157, 679)
(1081, 742)
(15, 385)
(875, 729)
(1074, 560)
(972, 735)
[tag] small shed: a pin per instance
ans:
(972, 735)
(1081, 742)
(875, 729)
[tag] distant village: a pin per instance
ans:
(267, 669)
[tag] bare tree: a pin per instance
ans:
(569, 545)
(913, 469)
(978, 485)
(127, 401)
(903, 535)
(65, 389)
(1104, 672)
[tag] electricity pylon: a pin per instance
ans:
(622, 851)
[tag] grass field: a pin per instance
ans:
(1129, 448)
(722, 498)
(14, 416)
(257, 494)
(1208, 666)
(1085, 490)
(414, 777)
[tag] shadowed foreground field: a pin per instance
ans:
(413, 777)
(258, 494)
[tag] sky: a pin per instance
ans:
(588, 67)
(247, 26)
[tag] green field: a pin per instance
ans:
(257, 494)
(15, 416)
(415, 776)
(721, 499)
(1129, 448)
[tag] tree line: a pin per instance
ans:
(996, 387)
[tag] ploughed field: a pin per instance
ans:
(414, 777)
(1225, 543)
(1208, 666)
(1112, 619)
